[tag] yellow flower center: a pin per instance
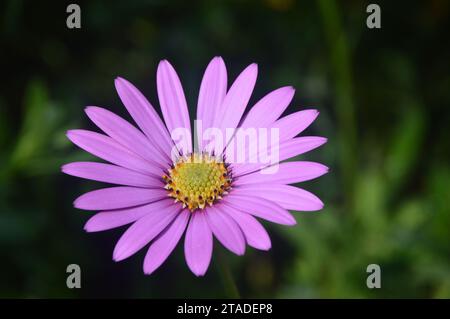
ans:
(198, 179)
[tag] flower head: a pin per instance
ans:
(215, 187)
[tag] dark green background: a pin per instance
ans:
(384, 99)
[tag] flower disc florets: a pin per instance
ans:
(198, 179)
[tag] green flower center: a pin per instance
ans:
(198, 179)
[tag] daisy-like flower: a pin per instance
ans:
(168, 188)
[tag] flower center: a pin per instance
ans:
(198, 179)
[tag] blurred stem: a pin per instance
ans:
(229, 283)
(343, 91)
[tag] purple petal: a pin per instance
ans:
(226, 230)
(115, 218)
(212, 93)
(111, 174)
(143, 231)
(118, 197)
(172, 101)
(259, 207)
(198, 244)
(269, 108)
(144, 115)
(295, 123)
(289, 197)
(165, 243)
(236, 101)
(286, 150)
(108, 149)
(287, 173)
(255, 234)
(288, 127)
(126, 134)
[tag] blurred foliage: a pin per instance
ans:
(384, 101)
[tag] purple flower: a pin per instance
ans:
(167, 187)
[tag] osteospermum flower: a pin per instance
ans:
(169, 188)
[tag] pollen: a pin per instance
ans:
(197, 180)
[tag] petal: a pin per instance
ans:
(165, 243)
(126, 134)
(115, 218)
(259, 207)
(144, 115)
(172, 101)
(143, 231)
(269, 108)
(286, 150)
(212, 93)
(235, 102)
(111, 174)
(288, 197)
(118, 197)
(237, 98)
(286, 128)
(287, 173)
(198, 244)
(108, 149)
(255, 234)
(295, 123)
(226, 230)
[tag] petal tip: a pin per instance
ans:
(77, 203)
(149, 268)
(148, 272)
(164, 63)
(73, 133)
(88, 227)
(64, 168)
(199, 273)
(291, 91)
(80, 202)
(253, 67)
(319, 141)
(91, 108)
(198, 270)
(264, 246)
(91, 111)
(119, 83)
(117, 256)
(312, 112)
(70, 133)
(291, 221)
